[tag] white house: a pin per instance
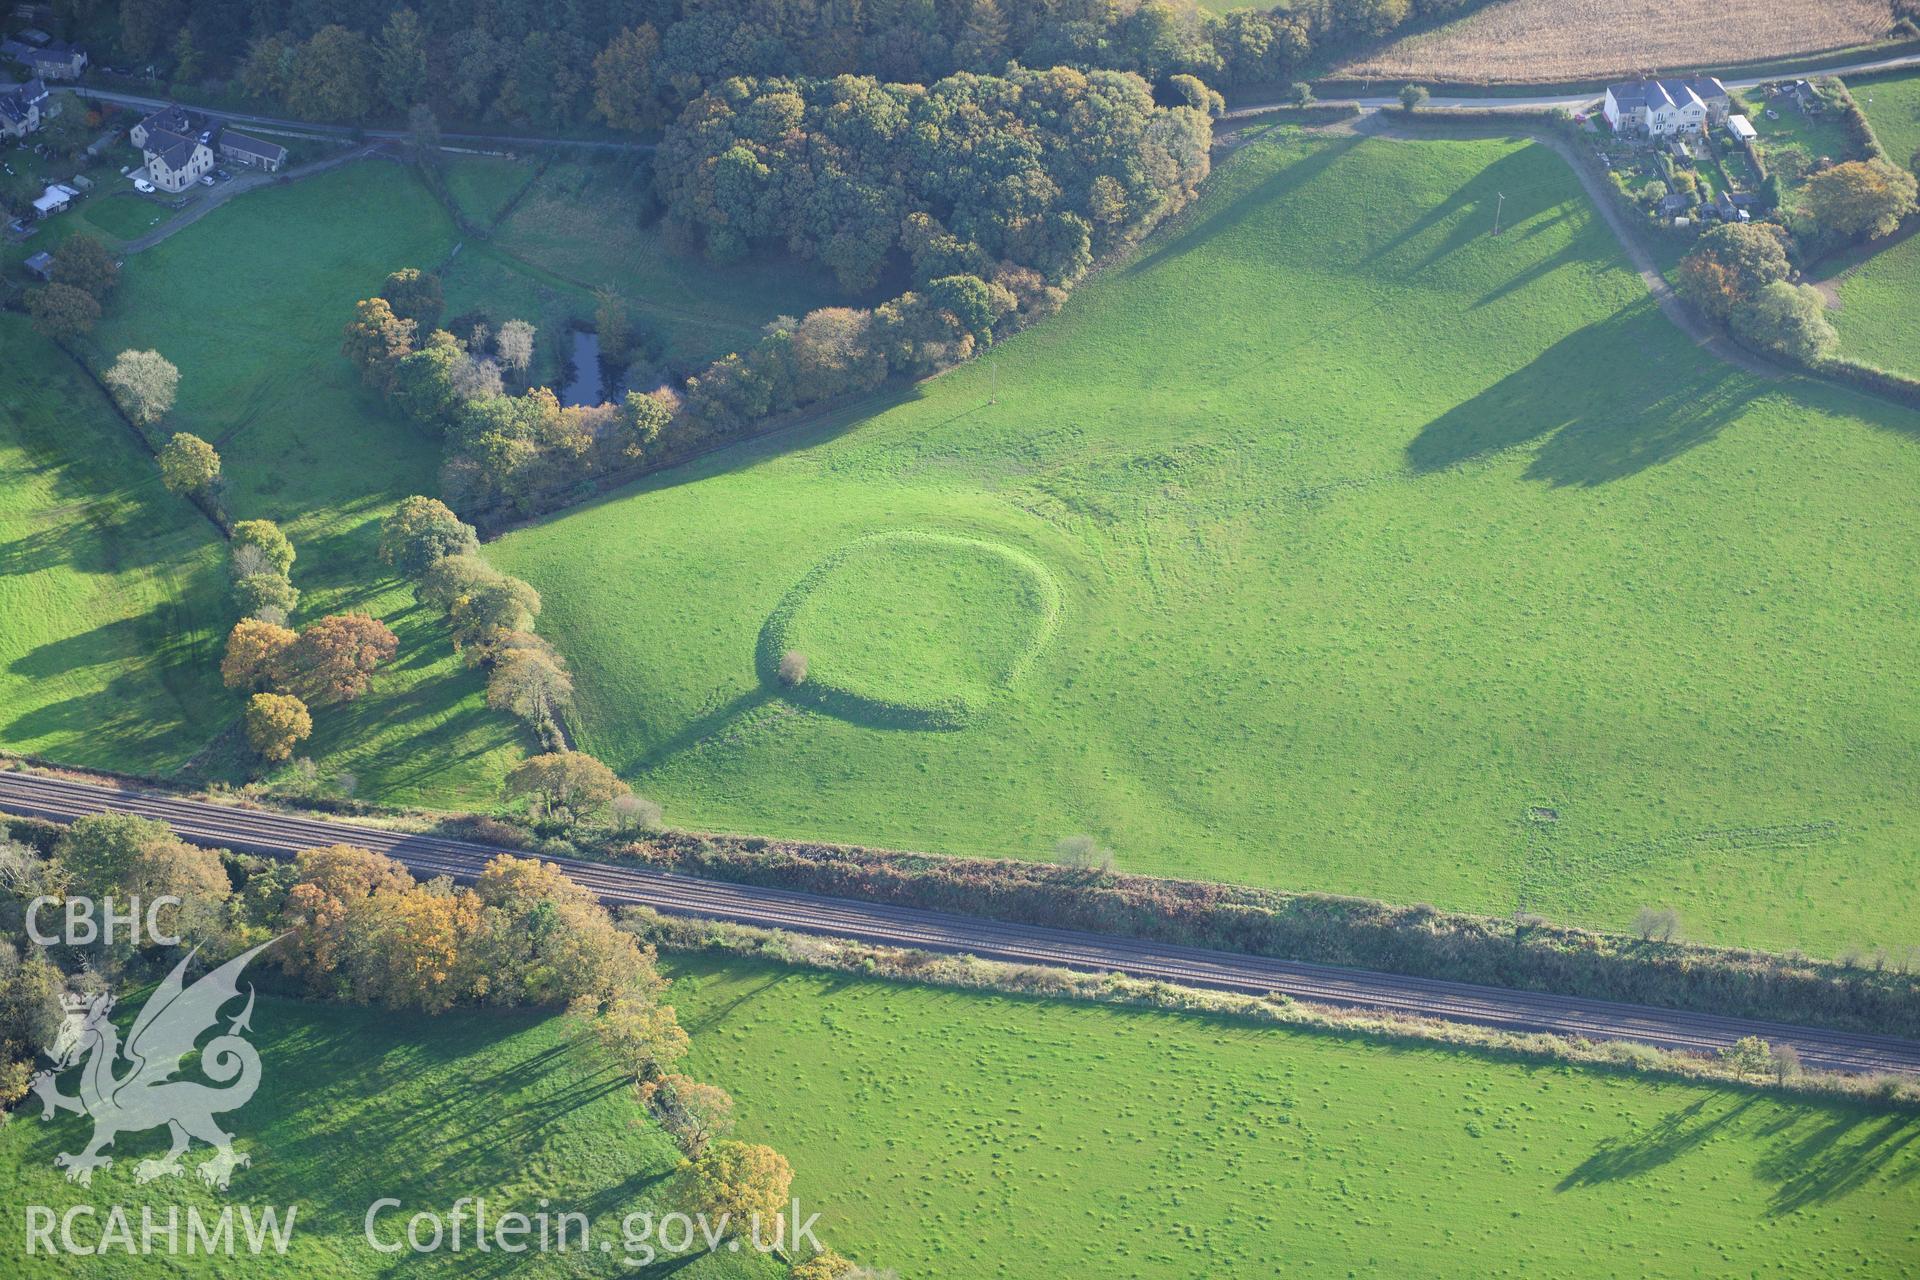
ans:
(22, 109)
(1662, 108)
(175, 163)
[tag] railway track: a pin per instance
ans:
(256, 831)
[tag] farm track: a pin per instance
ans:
(257, 831)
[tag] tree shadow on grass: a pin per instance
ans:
(1673, 1137)
(1840, 1156)
(1594, 423)
(1816, 1158)
(703, 727)
(1515, 176)
(1241, 207)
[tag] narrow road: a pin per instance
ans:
(1574, 101)
(343, 131)
(257, 831)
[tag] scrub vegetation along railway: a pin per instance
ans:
(427, 856)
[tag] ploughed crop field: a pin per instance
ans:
(1393, 558)
(963, 1135)
(359, 1105)
(1877, 317)
(1545, 41)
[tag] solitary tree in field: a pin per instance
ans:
(1413, 97)
(188, 464)
(276, 723)
(143, 382)
(514, 343)
(793, 668)
(565, 784)
(419, 532)
(84, 263)
(740, 1181)
(62, 312)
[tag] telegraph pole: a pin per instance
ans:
(1496, 212)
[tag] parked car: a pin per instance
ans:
(206, 179)
(144, 187)
(223, 175)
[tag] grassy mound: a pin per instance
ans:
(972, 1136)
(913, 630)
(1402, 559)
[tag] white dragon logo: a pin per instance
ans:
(148, 1096)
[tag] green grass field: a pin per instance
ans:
(484, 185)
(249, 303)
(1877, 318)
(1893, 108)
(357, 1105)
(1396, 559)
(110, 587)
(960, 1135)
(577, 231)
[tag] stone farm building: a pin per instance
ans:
(51, 61)
(241, 149)
(180, 148)
(175, 162)
(1662, 108)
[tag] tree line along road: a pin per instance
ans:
(259, 831)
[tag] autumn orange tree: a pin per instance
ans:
(334, 659)
(255, 651)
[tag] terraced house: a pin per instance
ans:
(1662, 108)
